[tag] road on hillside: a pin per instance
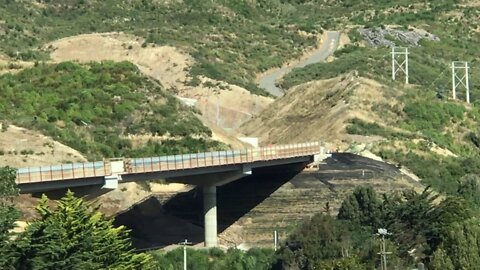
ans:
(329, 46)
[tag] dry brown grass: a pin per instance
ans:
(46, 151)
(320, 110)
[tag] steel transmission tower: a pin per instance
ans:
(400, 62)
(460, 78)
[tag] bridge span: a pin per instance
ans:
(208, 169)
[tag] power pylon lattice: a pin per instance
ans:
(460, 78)
(400, 62)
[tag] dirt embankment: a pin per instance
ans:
(320, 110)
(20, 147)
(221, 105)
(8, 65)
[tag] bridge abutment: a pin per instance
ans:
(210, 214)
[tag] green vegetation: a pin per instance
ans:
(72, 237)
(422, 231)
(93, 108)
(215, 259)
(8, 213)
(427, 123)
(367, 61)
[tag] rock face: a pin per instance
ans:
(379, 36)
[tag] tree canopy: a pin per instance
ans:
(73, 236)
(8, 213)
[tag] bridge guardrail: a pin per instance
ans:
(63, 171)
(166, 163)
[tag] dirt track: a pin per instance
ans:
(328, 46)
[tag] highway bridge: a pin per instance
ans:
(208, 169)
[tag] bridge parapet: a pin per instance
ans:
(63, 171)
(119, 166)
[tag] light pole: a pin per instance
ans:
(185, 243)
(383, 253)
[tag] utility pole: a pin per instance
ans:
(400, 62)
(383, 254)
(460, 78)
(185, 243)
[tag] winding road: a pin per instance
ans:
(330, 44)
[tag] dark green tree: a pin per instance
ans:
(469, 188)
(72, 236)
(363, 207)
(460, 248)
(441, 260)
(8, 213)
(323, 239)
(347, 263)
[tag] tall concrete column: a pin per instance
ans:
(210, 214)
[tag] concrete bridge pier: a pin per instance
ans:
(210, 214)
(210, 182)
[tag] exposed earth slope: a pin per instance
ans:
(20, 147)
(320, 110)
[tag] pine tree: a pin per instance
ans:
(73, 236)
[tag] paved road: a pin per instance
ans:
(328, 47)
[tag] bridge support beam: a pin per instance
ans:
(210, 214)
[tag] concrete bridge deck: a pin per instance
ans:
(208, 169)
(131, 166)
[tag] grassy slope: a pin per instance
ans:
(93, 107)
(426, 115)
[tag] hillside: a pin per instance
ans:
(218, 102)
(417, 125)
(320, 110)
(400, 124)
(20, 147)
(84, 80)
(219, 34)
(102, 110)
